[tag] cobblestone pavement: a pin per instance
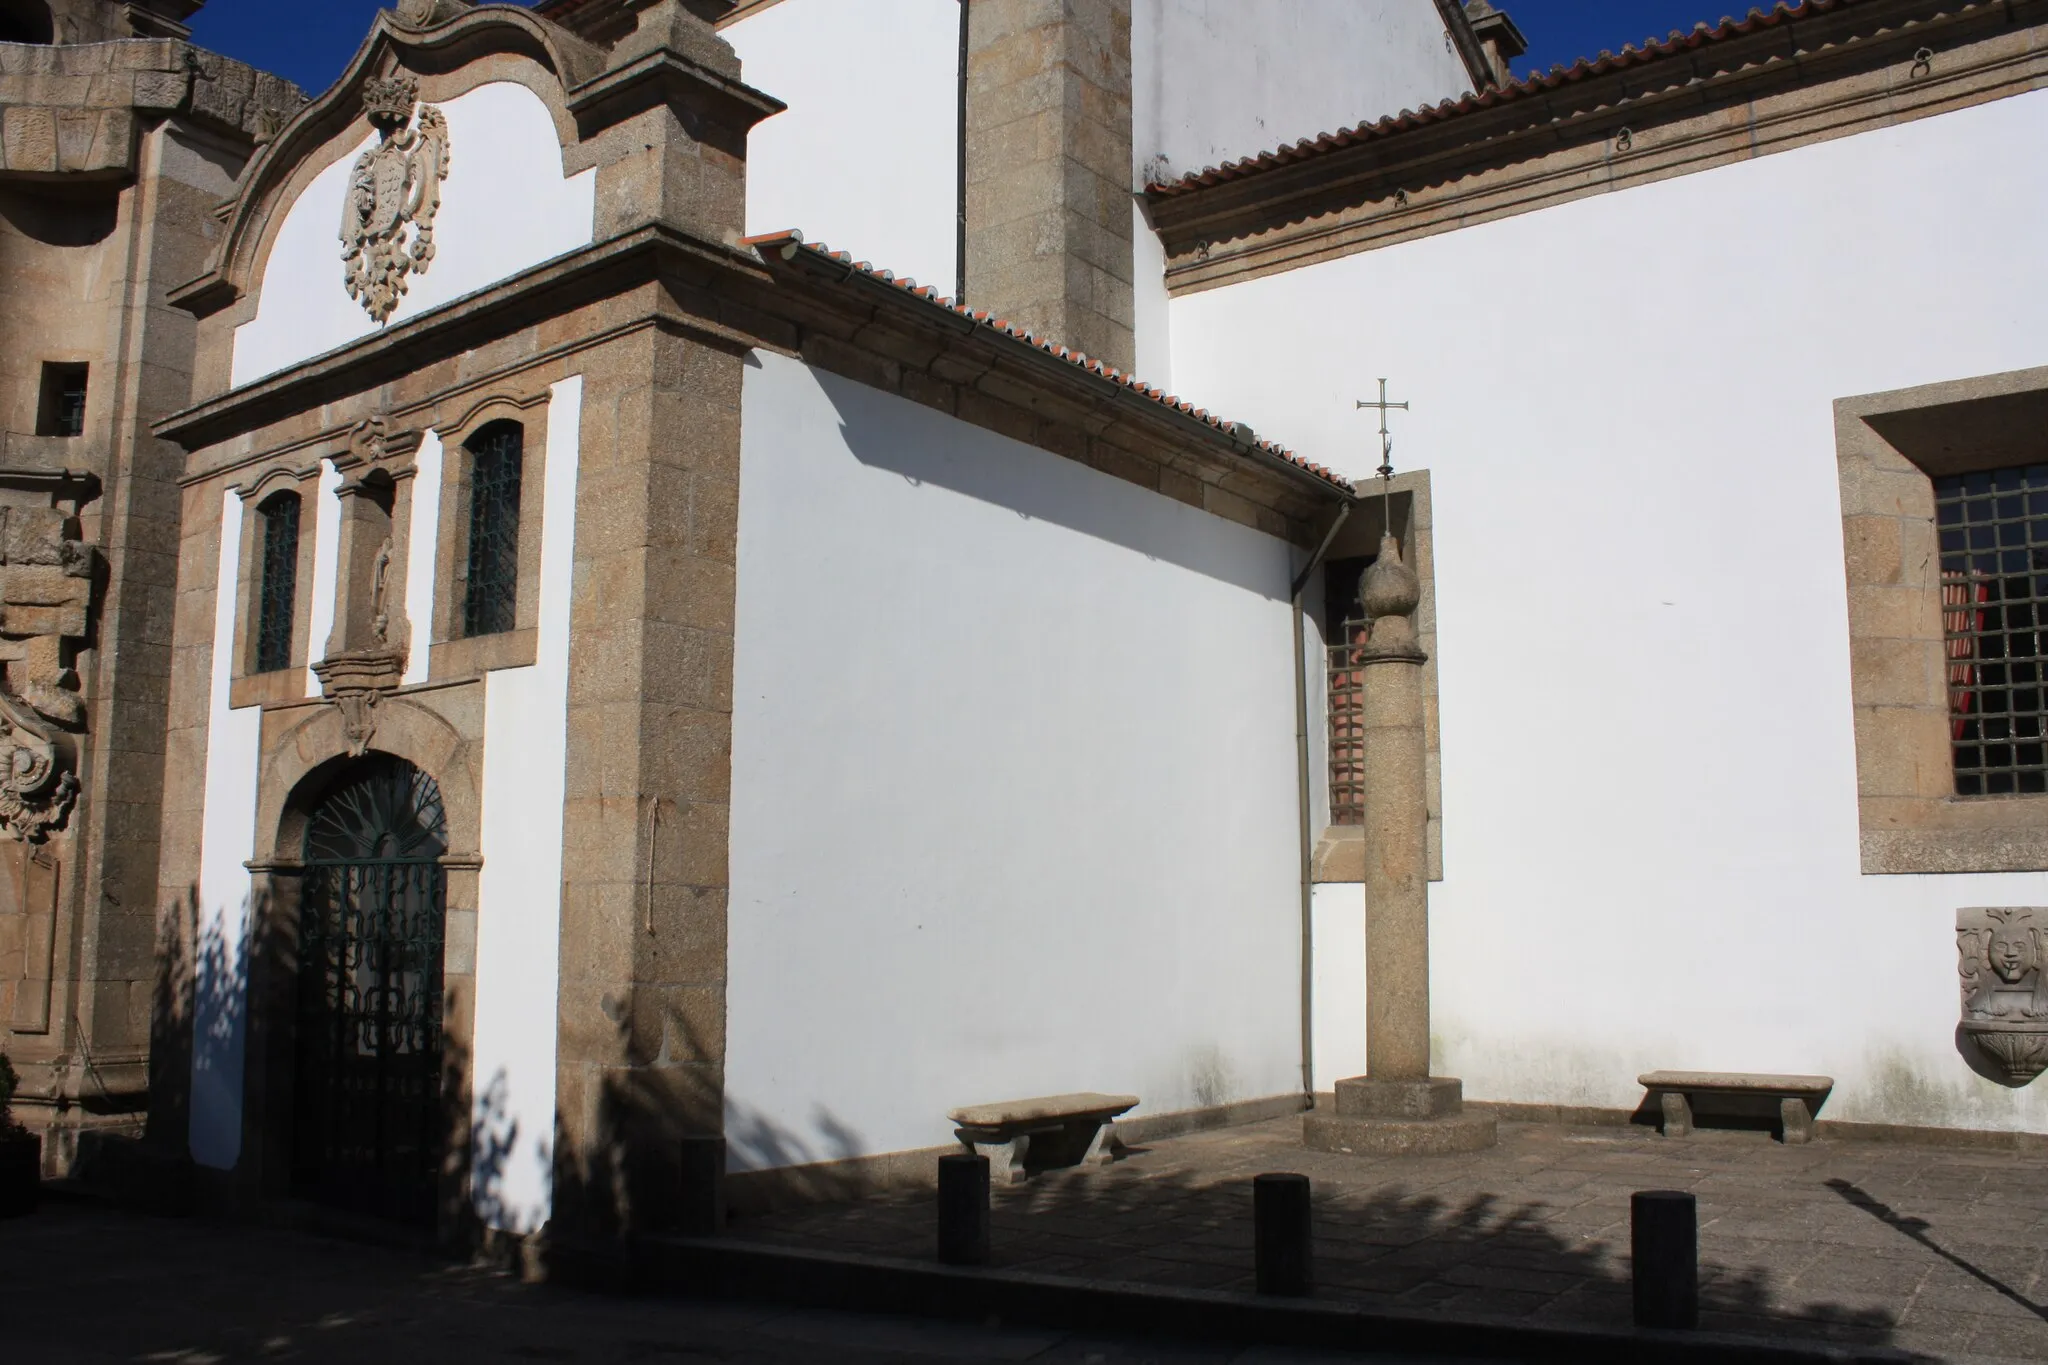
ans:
(84, 1285)
(1930, 1249)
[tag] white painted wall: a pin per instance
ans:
(1649, 781)
(504, 207)
(1216, 80)
(326, 565)
(1013, 783)
(422, 555)
(519, 914)
(227, 840)
(866, 157)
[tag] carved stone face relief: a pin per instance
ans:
(394, 193)
(2004, 1029)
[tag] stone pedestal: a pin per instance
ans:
(1399, 1118)
(1397, 1108)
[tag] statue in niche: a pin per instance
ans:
(395, 186)
(380, 619)
(2002, 952)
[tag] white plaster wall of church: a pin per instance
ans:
(519, 902)
(1216, 80)
(227, 841)
(1650, 821)
(501, 213)
(866, 157)
(1013, 804)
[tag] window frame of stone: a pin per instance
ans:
(1890, 448)
(1339, 854)
(251, 685)
(53, 399)
(454, 653)
(278, 578)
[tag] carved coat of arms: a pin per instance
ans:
(387, 219)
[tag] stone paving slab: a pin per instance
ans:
(1931, 1250)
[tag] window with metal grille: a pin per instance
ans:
(1346, 628)
(1994, 616)
(491, 590)
(61, 411)
(278, 592)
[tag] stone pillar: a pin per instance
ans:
(1049, 182)
(1396, 1107)
(640, 1062)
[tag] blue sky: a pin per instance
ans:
(310, 41)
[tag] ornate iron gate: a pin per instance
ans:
(370, 1120)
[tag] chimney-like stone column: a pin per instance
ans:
(1396, 1107)
(1049, 171)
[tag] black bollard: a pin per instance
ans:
(702, 1209)
(963, 1209)
(1282, 1234)
(1664, 1245)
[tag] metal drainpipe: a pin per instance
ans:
(960, 226)
(1308, 1047)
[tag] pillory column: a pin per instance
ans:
(1396, 1108)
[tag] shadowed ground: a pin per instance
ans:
(82, 1285)
(1932, 1250)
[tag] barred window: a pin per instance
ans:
(1994, 615)
(61, 409)
(1347, 630)
(491, 591)
(277, 595)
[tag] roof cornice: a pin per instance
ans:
(777, 293)
(1826, 68)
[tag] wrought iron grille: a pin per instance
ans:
(71, 404)
(491, 598)
(1994, 614)
(1346, 628)
(278, 593)
(372, 917)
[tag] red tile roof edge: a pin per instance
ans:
(790, 241)
(1539, 83)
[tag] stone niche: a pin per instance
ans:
(2002, 952)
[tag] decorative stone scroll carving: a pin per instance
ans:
(356, 683)
(37, 786)
(377, 441)
(427, 13)
(395, 186)
(46, 575)
(2003, 951)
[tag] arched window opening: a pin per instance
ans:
(278, 593)
(491, 585)
(26, 21)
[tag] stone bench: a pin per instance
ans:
(1064, 1130)
(1792, 1100)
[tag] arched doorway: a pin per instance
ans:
(369, 1123)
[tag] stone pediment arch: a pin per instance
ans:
(405, 729)
(495, 42)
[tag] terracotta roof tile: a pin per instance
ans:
(1536, 83)
(788, 241)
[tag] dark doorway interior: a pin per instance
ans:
(369, 1126)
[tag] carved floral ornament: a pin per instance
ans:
(394, 194)
(2003, 952)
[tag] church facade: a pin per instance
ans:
(619, 677)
